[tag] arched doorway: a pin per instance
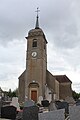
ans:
(33, 91)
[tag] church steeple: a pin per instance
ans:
(37, 21)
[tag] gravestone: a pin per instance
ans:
(29, 103)
(30, 111)
(74, 112)
(52, 106)
(52, 115)
(62, 105)
(0, 107)
(15, 103)
(45, 103)
(77, 102)
(40, 99)
(8, 112)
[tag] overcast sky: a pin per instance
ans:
(60, 21)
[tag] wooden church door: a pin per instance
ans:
(34, 95)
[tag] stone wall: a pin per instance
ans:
(65, 90)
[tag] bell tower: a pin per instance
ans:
(36, 82)
(36, 63)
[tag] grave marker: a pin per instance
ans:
(8, 112)
(30, 110)
(74, 112)
(15, 103)
(29, 103)
(52, 115)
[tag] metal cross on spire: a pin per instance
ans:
(37, 10)
(37, 21)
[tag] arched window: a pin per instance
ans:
(34, 44)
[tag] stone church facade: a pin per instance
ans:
(36, 82)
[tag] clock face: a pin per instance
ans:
(34, 54)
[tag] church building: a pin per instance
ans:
(36, 82)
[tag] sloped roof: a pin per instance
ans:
(62, 78)
(22, 75)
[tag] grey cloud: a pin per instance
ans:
(62, 21)
(15, 20)
(16, 16)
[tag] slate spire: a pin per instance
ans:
(37, 19)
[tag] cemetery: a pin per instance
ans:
(29, 110)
